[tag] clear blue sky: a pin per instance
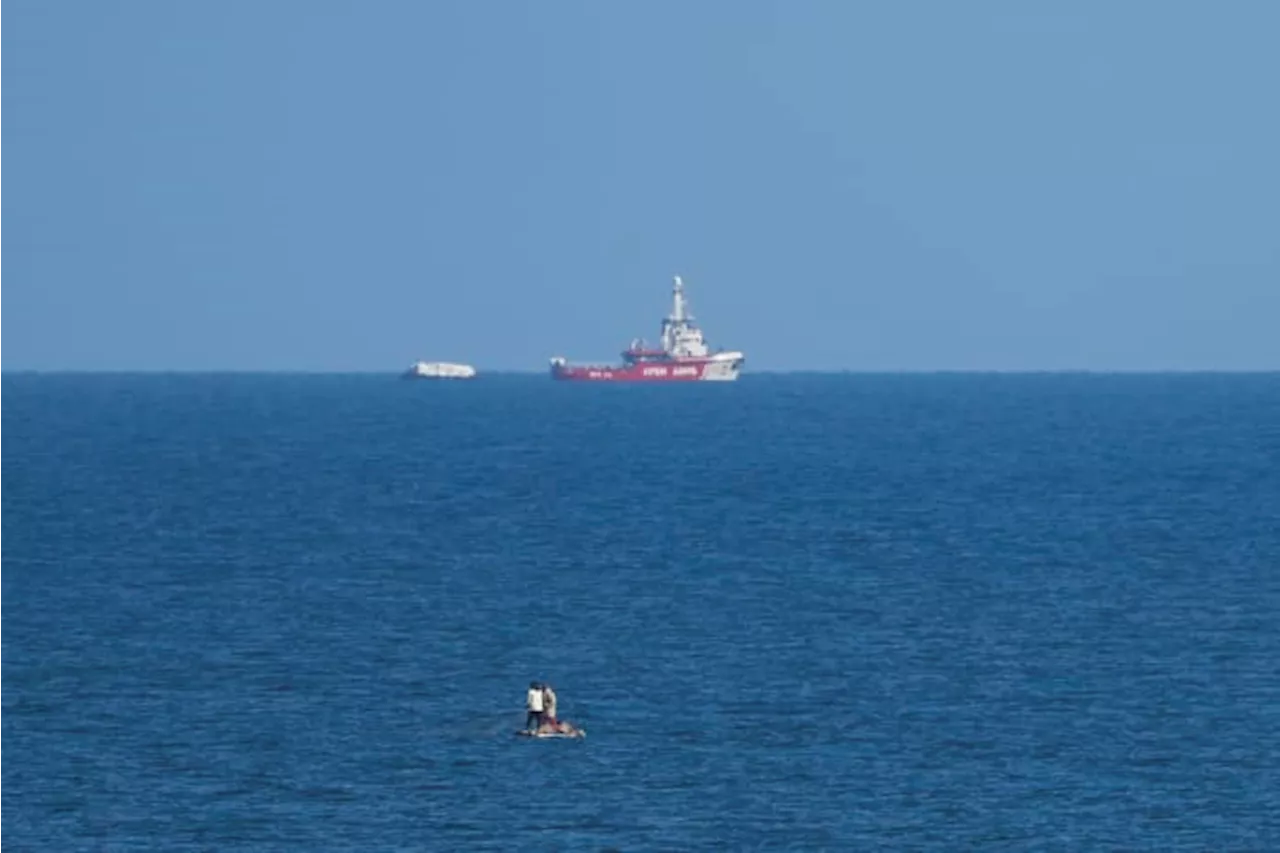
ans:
(312, 185)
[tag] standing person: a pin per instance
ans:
(535, 704)
(549, 703)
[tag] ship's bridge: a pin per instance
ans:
(681, 337)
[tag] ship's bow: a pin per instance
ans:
(723, 367)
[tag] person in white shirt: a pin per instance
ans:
(548, 703)
(535, 703)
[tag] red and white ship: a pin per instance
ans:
(682, 355)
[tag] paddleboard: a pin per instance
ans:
(581, 733)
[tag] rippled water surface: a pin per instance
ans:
(914, 612)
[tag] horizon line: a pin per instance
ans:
(985, 371)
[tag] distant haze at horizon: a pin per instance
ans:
(324, 187)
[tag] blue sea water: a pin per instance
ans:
(1004, 612)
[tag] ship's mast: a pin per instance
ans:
(679, 311)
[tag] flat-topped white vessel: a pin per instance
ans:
(439, 370)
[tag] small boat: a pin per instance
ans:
(573, 734)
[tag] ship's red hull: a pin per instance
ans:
(675, 371)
